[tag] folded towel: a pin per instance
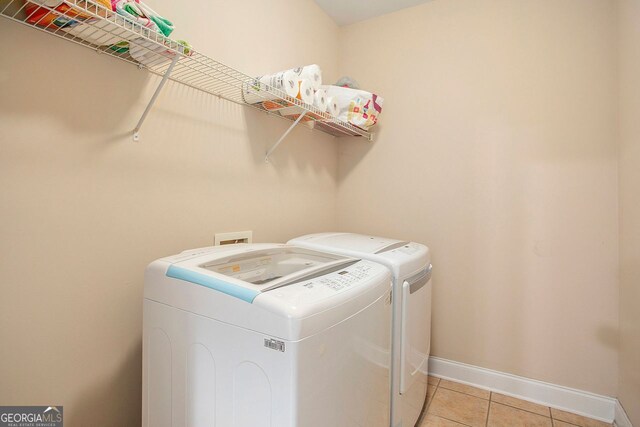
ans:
(139, 12)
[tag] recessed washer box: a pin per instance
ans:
(233, 237)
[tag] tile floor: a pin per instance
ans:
(451, 404)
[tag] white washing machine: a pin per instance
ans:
(410, 265)
(266, 335)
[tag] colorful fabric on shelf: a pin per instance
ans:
(138, 12)
(59, 14)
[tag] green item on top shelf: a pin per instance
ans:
(120, 47)
(186, 50)
(164, 25)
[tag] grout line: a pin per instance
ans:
(443, 417)
(553, 423)
(425, 407)
(430, 401)
(490, 399)
(427, 403)
(486, 422)
(553, 420)
(437, 378)
(467, 385)
(453, 421)
(573, 413)
(467, 394)
(432, 397)
(525, 410)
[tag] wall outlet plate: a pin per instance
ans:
(233, 237)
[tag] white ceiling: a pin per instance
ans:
(346, 12)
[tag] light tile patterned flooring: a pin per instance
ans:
(451, 404)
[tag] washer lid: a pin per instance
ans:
(248, 273)
(349, 241)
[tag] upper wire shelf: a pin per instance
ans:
(102, 30)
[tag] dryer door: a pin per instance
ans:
(416, 328)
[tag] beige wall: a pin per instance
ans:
(629, 155)
(83, 209)
(497, 148)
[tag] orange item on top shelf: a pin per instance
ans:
(61, 14)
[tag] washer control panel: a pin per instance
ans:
(344, 278)
(360, 274)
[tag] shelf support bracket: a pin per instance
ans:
(278, 142)
(165, 77)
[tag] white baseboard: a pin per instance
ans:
(590, 405)
(621, 420)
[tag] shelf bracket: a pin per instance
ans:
(274, 146)
(165, 77)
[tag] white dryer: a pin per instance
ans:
(266, 335)
(410, 265)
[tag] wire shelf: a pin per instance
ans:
(92, 25)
